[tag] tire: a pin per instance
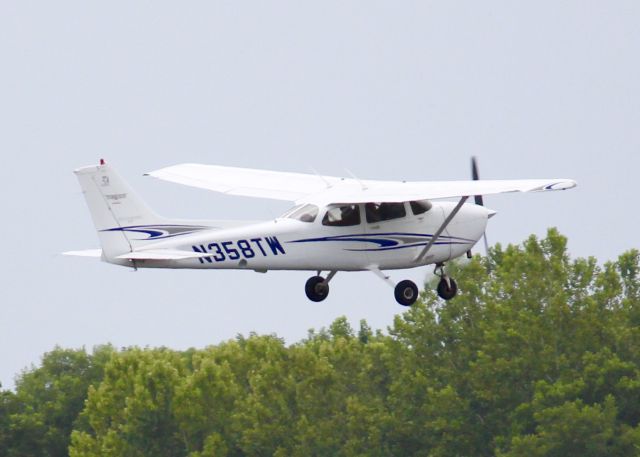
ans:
(316, 289)
(445, 291)
(406, 293)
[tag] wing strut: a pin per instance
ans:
(446, 222)
(375, 270)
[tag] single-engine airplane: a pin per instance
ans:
(337, 224)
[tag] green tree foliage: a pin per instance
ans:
(484, 372)
(131, 411)
(8, 406)
(38, 419)
(539, 355)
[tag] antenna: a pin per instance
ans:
(321, 177)
(364, 187)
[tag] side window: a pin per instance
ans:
(421, 206)
(306, 213)
(342, 216)
(377, 212)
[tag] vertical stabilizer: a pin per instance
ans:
(113, 206)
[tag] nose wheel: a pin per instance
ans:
(447, 287)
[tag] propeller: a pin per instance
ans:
(475, 175)
(478, 198)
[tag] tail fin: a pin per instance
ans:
(115, 208)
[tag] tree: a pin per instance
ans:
(130, 412)
(539, 354)
(8, 406)
(48, 399)
(468, 370)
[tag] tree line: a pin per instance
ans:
(539, 355)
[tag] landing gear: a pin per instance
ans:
(406, 292)
(317, 287)
(447, 287)
(448, 290)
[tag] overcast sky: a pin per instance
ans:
(390, 90)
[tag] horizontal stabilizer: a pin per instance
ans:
(162, 254)
(85, 253)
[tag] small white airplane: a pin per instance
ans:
(337, 224)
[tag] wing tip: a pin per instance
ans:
(563, 184)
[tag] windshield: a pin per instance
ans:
(304, 213)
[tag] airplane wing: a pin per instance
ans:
(431, 190)
(300, 187)
(247, 182)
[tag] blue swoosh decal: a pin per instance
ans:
(159, 232)
(389, 241)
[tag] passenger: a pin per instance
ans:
(350, 215)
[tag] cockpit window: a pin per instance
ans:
(420, 206)
(377, 212)
(342, 216)
(304, 213)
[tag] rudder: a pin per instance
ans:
(113, 205)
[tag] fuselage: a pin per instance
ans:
(340, 224)
(298, 241)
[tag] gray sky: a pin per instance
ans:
(389, 90)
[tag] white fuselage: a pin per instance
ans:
(339, 224)
(290, 244)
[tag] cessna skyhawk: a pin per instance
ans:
(337, 224)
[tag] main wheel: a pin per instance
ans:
(406, 292)
(316, 288)
(447, 291)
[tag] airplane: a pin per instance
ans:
(336, 224)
